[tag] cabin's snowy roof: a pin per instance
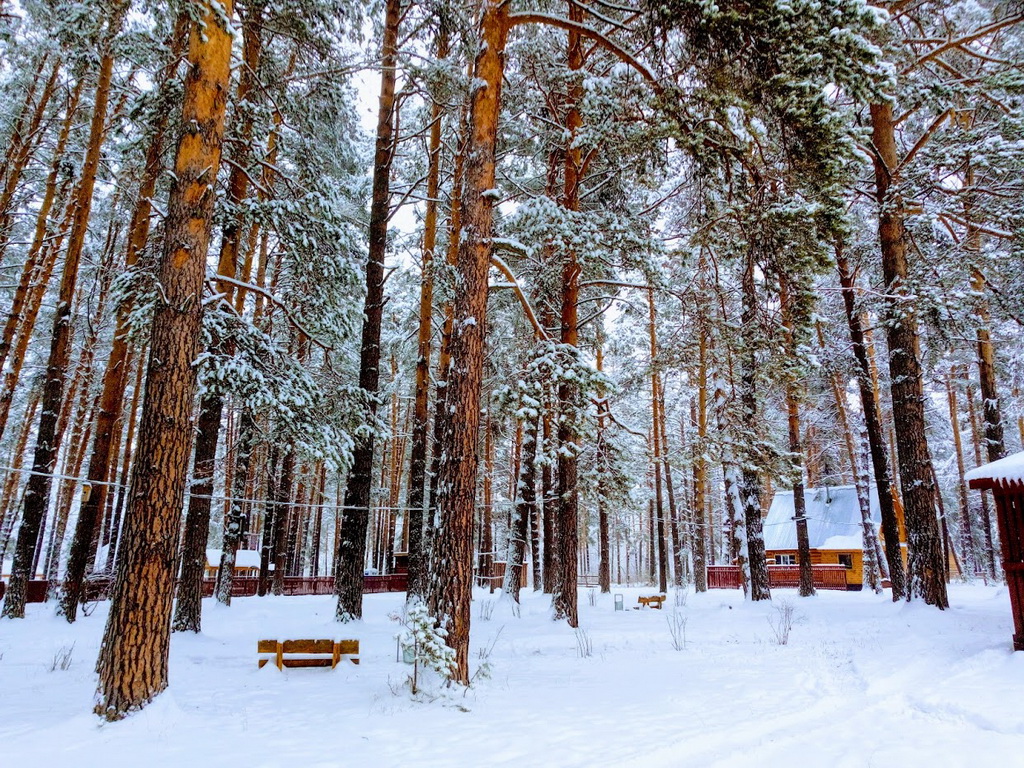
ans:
(244, 558)
(1007, 470)
(833, 518)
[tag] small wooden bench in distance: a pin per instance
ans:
(307, 653)
(652, 601)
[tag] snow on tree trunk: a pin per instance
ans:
(873, 425)
(925, 566)
(348, 577)
(37, 492)
(133, 657)
(457, 471)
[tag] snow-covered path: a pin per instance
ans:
(862, 682)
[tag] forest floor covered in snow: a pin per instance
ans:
(861, 682)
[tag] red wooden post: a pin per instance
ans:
(1005, 478)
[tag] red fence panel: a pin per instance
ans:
(100, 587)
(779, 576)
(396, 582)
(723, 577)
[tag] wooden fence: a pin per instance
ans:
(99, 588)
(779, 576)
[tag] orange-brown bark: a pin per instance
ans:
(37, 492)
(460, 417)
(133, 658)
(115, 374)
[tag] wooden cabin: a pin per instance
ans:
(1005, 478)
(834, 528)
(247, 563)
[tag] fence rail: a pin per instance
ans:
(780, 576)
(241, 586)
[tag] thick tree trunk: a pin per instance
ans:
(905, 374)
(750, 492)
(188, 612)
(564, 598)
(37, 493)
(348, 583)
(452, 587)
(133, 658)
(873, 423)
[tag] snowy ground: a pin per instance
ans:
(862, 682)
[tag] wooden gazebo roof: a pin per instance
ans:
(1006, 473)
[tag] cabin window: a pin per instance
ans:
(846, 559)
(785, 559)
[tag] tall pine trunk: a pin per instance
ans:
(348, 583)
(564, 598)
(133, 657)
(37, 493)
(451, 590)
(873, 425)
(188, 611)
(750, 492)
(421, 416)
(659, 505)
(925, 567)
(796, 452)
(604, 569)
(115, 375)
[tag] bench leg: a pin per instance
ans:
(280, 655)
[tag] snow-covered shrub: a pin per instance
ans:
(426, 643)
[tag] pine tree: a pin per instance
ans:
(133, 657)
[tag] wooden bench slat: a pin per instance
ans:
(307, 653)
(308, 646)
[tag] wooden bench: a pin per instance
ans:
(652, 601)
(307, 653)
